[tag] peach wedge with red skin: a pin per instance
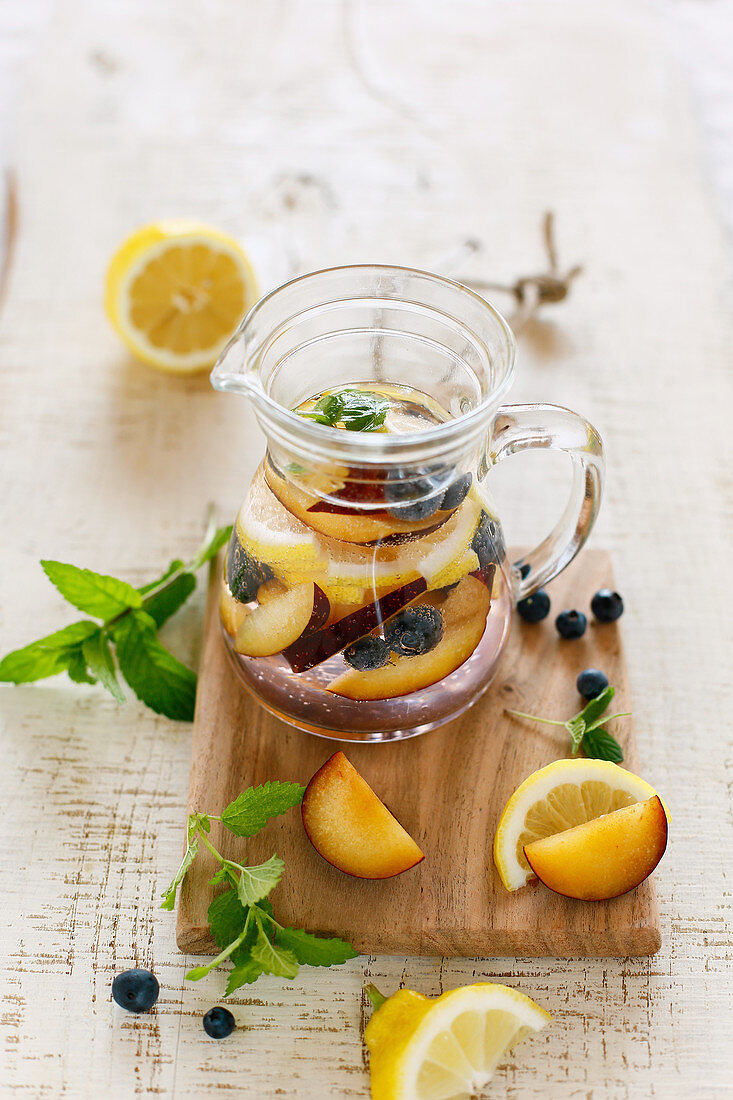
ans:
(351, 827)
(277, 623)
(605, 857)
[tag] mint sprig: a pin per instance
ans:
(127, 637)
(241, 918)
(355, 410)
(585, 728)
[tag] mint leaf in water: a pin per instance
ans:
(157, 677)
(97, 594)
(47, 656)
(355, 410)
(315, 950)
(251, 811)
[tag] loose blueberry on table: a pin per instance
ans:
(135, 990)
(571, 624)
(218, 1022)
(591, 682)
(607, 606)
(535, 608)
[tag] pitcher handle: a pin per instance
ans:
(516, 428)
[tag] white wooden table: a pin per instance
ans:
(322, 133)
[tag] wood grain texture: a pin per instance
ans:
(448, 789)
(318, 133)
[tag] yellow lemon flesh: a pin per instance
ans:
(424, 1048)
(558, 797)
(176, 291)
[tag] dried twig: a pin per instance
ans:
(532, 291)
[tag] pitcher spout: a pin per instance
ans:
(232, 373)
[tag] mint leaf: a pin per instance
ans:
(97, 594)
(272, 958)
(255, 883)
(210, 547)
(157, 677)
(356, 410)
(47, 656)
(169, 896)
(98, 657)
(171, 595)
(599, 744)
(227, 918)
(243, 974)
(77, 669)
(251, 811)
(315, 950)
(576, 729)
(595, 708)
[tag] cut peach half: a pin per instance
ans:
(605, 857)
(232, 612)
(351, 827)
(273, 625)
(464, 612)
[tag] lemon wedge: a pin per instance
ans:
(560, 796)
(176, 291)
(447, 1047)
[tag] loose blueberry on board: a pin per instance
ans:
(135, 990)
(414, 498)
(535, 608)
(571, 624)
(607, 606)
(244, 573)
(591, 682)
(486, 541)
(414, 631)
(367, 653)
(218, 1022)
(456, 493)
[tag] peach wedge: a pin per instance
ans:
(277, 623)
(351, 827)
(605, 857)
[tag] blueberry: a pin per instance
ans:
(525, 570)
(414, 497)
(571, 624)
(218, 1022)
(244, 573)
(456, 493)
(535, 608)
(607, 606)
(591, 682)
(414, 631)
(367, 653)
(487, 541)
(136, 990)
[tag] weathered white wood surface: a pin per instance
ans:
(324, 133)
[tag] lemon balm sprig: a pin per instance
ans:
(586, 728)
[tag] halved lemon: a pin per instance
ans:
(560, 796)
(447, 1047)
(176, 291)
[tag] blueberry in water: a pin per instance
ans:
(486, 541)
(244, 573)
(414, 631)
(456, 493)
(218, 1022)
(136, 990)
(535, 608)
(571, 624)
(367, 653)
(525, 570)
(591, 682)
(414, 498)
(607, 606)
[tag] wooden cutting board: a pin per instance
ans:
(447, 788)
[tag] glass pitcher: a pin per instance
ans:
(367, 594)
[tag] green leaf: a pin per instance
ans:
(210, 547)
(251, 811)
(255, 883)
(169, 897)
(224, 874)
(315, 950)
(95, 593)
(243, 974)
(77, 669)
(601, 745)
(595, 708)
(172, 595)
(227, 918)
(98, 657)
(272, 958)
(157, 677)
(576, 729)
(356, 410)
(47, 656)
